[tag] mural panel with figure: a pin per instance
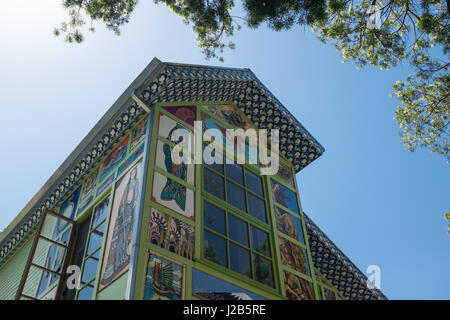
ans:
(120, 232)
(284, 196)
(289, 224)
(163, 160)
(173, 195)
(294, 256)
(185, 113)
(89, 185)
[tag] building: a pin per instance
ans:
(131, 223)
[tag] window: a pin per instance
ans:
(237, 244)
(54, 258)
(92, 251)
(238, 186)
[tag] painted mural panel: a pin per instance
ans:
(89, 185)
(138, 134)
(173, 195)
(185, 113)
(229, 114)
(216, 289)
(297, 288)
(171, 234)
(294, 256)
(164, 161)
(130, 160)
(245, 149)
(68, 209)
(164, 279)
(83, 206)
(120, 232)
(114, 158)
(284, 196)
(209, 123)
(105, 184)
(167, 125)
(289, 224)
(285, 173)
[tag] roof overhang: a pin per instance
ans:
(337, 267)
(164, 82)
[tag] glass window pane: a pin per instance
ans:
(256, 207)
(101, 228)
(213, 183)
(97, 254)
(89, 270)
(253, 182)
(260, 241)
(95, 241)
(66, 237)
(44, 282)
(237, 230)
(240, 260)
(58, 265)
(100, 212)
(234, 172)
(53, 227)
(85, 293)
(49, 255)
(215, 249)
(214, 218)
(263, 270)
(236, 196)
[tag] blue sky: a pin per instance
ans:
(381, 204)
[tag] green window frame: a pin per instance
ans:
(248, 242)
(48, 281)
(93, 250)
(251, 197)
(236, 249)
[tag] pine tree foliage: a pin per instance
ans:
(412, 31)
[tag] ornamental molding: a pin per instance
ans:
(169, 82)
(336, 267)
(184, 83)
(118, 126)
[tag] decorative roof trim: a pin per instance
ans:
(85, 156)
(202, 83)
(336, 267)
(161, 82)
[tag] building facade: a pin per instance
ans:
(120, 219)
